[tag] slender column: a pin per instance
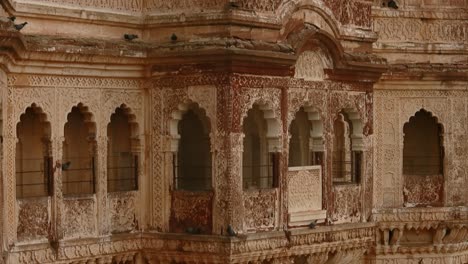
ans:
(9, 191)
(57, 231)
(235, 202)
(103, 220)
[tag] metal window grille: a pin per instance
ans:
(190, 176)
(422, 165)
(262, 175)
(34, 179)
(122, 172)
(79, 177)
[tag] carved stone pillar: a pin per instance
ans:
(235, 202)
(9, 190)
(57, 231)
(220, 187)
(103, 221)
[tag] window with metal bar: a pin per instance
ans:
(192, 162)
(122, 163)
(78, 162)
(33, 161)
(346, 162)
(422, 147)
(260, 168)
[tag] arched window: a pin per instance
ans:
(122, 154)
(299, 153)
(423, 156)
(79, 147)
(347, 148)
(306, 142)
(193, 157)
(260, 162)
(33, 157)
(422, 148)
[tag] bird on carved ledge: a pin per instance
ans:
(12, 18)
(313, 224)
(231, 231)
(20, 26)
(66, 165)
(392, 4)
(130, 36)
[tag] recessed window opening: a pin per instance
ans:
(33, 156)
(79, 148)
(347, 152)
(260, 167)
(422, 146)
(299, 143)
(306, 139)
(122, 159)
(192, 161)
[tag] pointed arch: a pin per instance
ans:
(306, 144)
(190, 131)
(33, 154)
(79, 152)
(123, 151)
(261, 145)
(348, 147)
(423, 160)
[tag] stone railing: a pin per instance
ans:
(305, 195)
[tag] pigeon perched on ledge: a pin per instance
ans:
(392, 4)
(130, 36)
(20, 26)
(66, 165)
(231, 231)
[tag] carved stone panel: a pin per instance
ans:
(260, 209)
(422, 190)
(305, 195)
(191, 212)
(123, 208)
(347, 203)
(33, 219)
(79, 217)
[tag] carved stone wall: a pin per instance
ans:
(79, 217)
(33, 219)
(76, 217)
(260, 209)
(305, 195)
(191, 212)
(123, 209)
(392, 110)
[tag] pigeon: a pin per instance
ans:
(12, 18)
(392, 4)
(130, 36)
(313, 224)
(174, 37)
(20, 26)
(66, 165)
(233, 5)
(193, 230)
(231, 231)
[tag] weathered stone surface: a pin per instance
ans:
(373, 65)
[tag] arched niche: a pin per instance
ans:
(123, 151)
(190, 130)
(348, 147)
(311, 65)
(33, 154)
(306, 143)
(79, 152)
(261, 142)
(423, 160)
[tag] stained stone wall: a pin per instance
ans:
(376, 64)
